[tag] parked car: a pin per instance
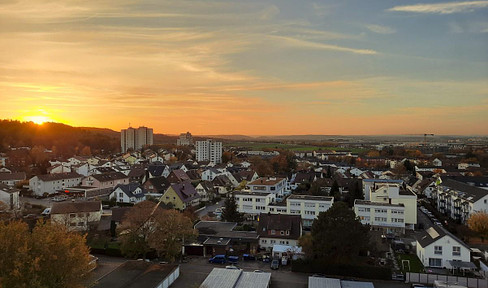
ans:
(248, 257)
(233, 259)
(218, 259)
(46, 212)
(398, 276)
(232, 267)
(275, 264)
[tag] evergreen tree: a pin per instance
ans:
(230, 213)
(334, 191)
(337, 235)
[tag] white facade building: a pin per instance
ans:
(10, 196)
(135, 139)
(253, 203)
(77, 215)
(386, 217)
(270, 185)
(436, 247)
(52, 183)
(209, 150)
(307, 206)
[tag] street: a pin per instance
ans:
(210, 208)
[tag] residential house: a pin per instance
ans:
(459, 200)
(78, 216)
(59, 168)
(436, 247)
(392, 193)
(53, 183)
(307, 206)
(158, 169)
(181, 195)
(177, 176)
(437, 162)
(253, 203)
(156, 186)
(137, 174)
(222, 184)
(210, 174)
(3, 159)
(10, 196)
(106, 180)
(279, 229)
(128, 193)
(206, 191)
(271, 185)
(385, 217)
(11, 179)
(368, 183)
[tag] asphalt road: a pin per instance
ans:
(210, 208)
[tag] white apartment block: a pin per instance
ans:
(270, 185)
(307, 206)
(393, 193)
(185, 139)
(368, 183)
(53, 183)
(253, 203)
(459, 200)
(209, 150)
(389, 218)
(135, 139)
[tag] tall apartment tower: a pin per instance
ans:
(135, 139)
(185, 139)
(209, 150)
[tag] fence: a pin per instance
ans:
(430, 278)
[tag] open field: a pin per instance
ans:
(287, 146)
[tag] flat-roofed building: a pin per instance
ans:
(308, 206)
(271, 185)
(389, 218)
(236, 278)
(253, 203)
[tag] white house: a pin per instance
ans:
(106, 180)
(307, 206)
(128, 193)
(437, 162)
(253, 203)
(52, 183)
(389, 218)
(393, 193)
(210, 174)
(10, 179)
(271, 185)
(436, 247)
(10, 196)
(77, 215)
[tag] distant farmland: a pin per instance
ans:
(253, 146)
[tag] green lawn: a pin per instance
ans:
(415, 264)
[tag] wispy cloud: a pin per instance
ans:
(322, 46)
(380, 29)
(442, 8)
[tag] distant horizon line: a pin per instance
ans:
(270, 135)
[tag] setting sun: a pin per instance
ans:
(39, 120)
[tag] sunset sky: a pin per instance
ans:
(249, 67)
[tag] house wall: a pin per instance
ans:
(308, 209)
(77, 221)
(40, 187)
(11, 199)
(121, 197)
(170, 196)
(254, 204)
(447, 243)
(268, 243)
(391, 219)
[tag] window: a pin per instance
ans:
(287, 233)
(456, 251)
(273, 232)
(438, 250)
(72, 215)
(282, 233)
(435, 262)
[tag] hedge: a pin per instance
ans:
(348, 270)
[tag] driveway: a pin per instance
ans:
(210, 208)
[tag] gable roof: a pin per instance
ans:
(434, 233)
(109, 176)
(76, 207)
(156, 168)
(279, 222)
(472, 192)
(58, 176)
(159, 183)
(185, 191)
(12, 176)
(129, 189)
(180, 175)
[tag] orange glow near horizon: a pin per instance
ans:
(39, 120)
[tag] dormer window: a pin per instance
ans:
(273, 232)
(287, 232)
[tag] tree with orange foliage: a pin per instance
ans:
(478, 222)
(49, 256)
